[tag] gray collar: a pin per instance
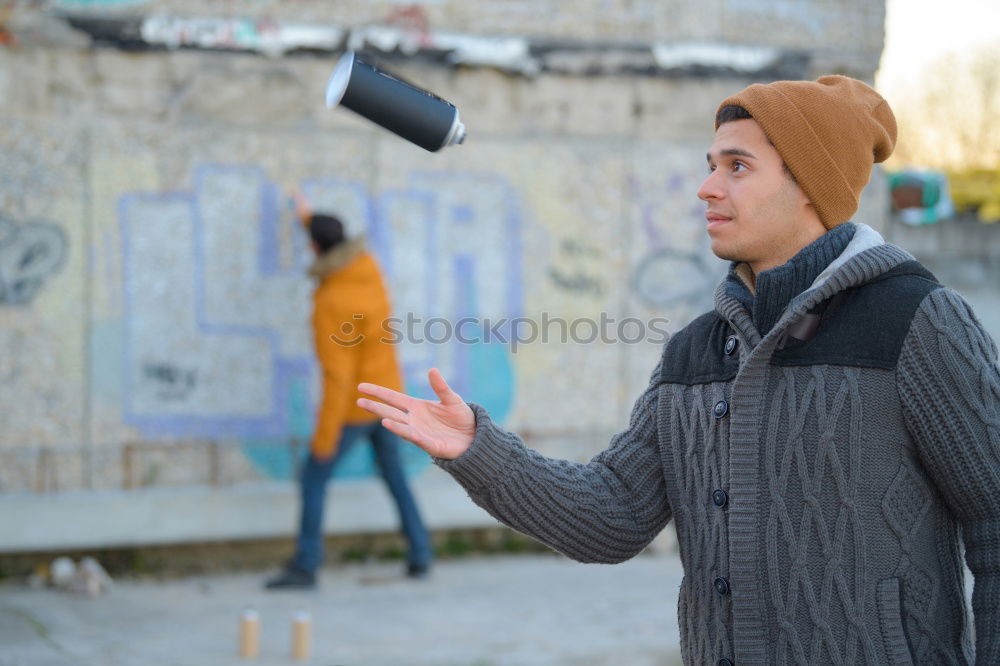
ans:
(867, 256)
(865, 238)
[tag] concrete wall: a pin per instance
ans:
(154, 309)
(843, 36)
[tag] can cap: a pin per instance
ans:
(341, 76)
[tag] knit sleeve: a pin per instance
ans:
(606, 510)
(949, 382)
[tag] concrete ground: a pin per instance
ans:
(483, 611)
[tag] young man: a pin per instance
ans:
(349, 304)
(822, 439)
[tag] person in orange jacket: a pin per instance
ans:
(349, 306)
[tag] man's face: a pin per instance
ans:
(756, 213)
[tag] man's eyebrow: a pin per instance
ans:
(732, 151)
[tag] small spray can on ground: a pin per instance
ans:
(249, 634)
(301, 629)
(410, 112)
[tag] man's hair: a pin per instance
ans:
(730, 113)
(327, 231)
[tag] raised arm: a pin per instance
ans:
(606, 510)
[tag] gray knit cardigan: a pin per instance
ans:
(822, 478)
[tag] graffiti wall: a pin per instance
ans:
(188, 313)
(154, 304)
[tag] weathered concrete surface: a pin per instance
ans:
(153, 303)
(524, 610)
(76, 520)
(824, 28)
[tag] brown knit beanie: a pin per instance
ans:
(829, 132)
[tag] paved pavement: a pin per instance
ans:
(484, 611)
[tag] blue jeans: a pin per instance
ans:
(316, 474)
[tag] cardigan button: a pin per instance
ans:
(731, 342)
(721, 409)
(720, 498)
(722, 586)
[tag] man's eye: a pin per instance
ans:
(737, 165)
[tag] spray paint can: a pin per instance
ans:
(410, 112)
(301, 627)
(249, 634)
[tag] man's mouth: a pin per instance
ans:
(715, 220)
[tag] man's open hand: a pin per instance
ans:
(443, 429)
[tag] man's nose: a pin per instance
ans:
(710, 188)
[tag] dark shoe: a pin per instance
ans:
(292, 578)
(418, 571)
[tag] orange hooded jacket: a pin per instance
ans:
(350, 305)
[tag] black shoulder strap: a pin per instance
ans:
(696, 354)
(865, 325)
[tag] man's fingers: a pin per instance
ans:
(406, 432)
(398, 400)
(441, 388)
(383, 410)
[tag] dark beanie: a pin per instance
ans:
(326, 231)
(829, 132)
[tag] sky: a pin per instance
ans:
(944, 118)
(919, 31)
